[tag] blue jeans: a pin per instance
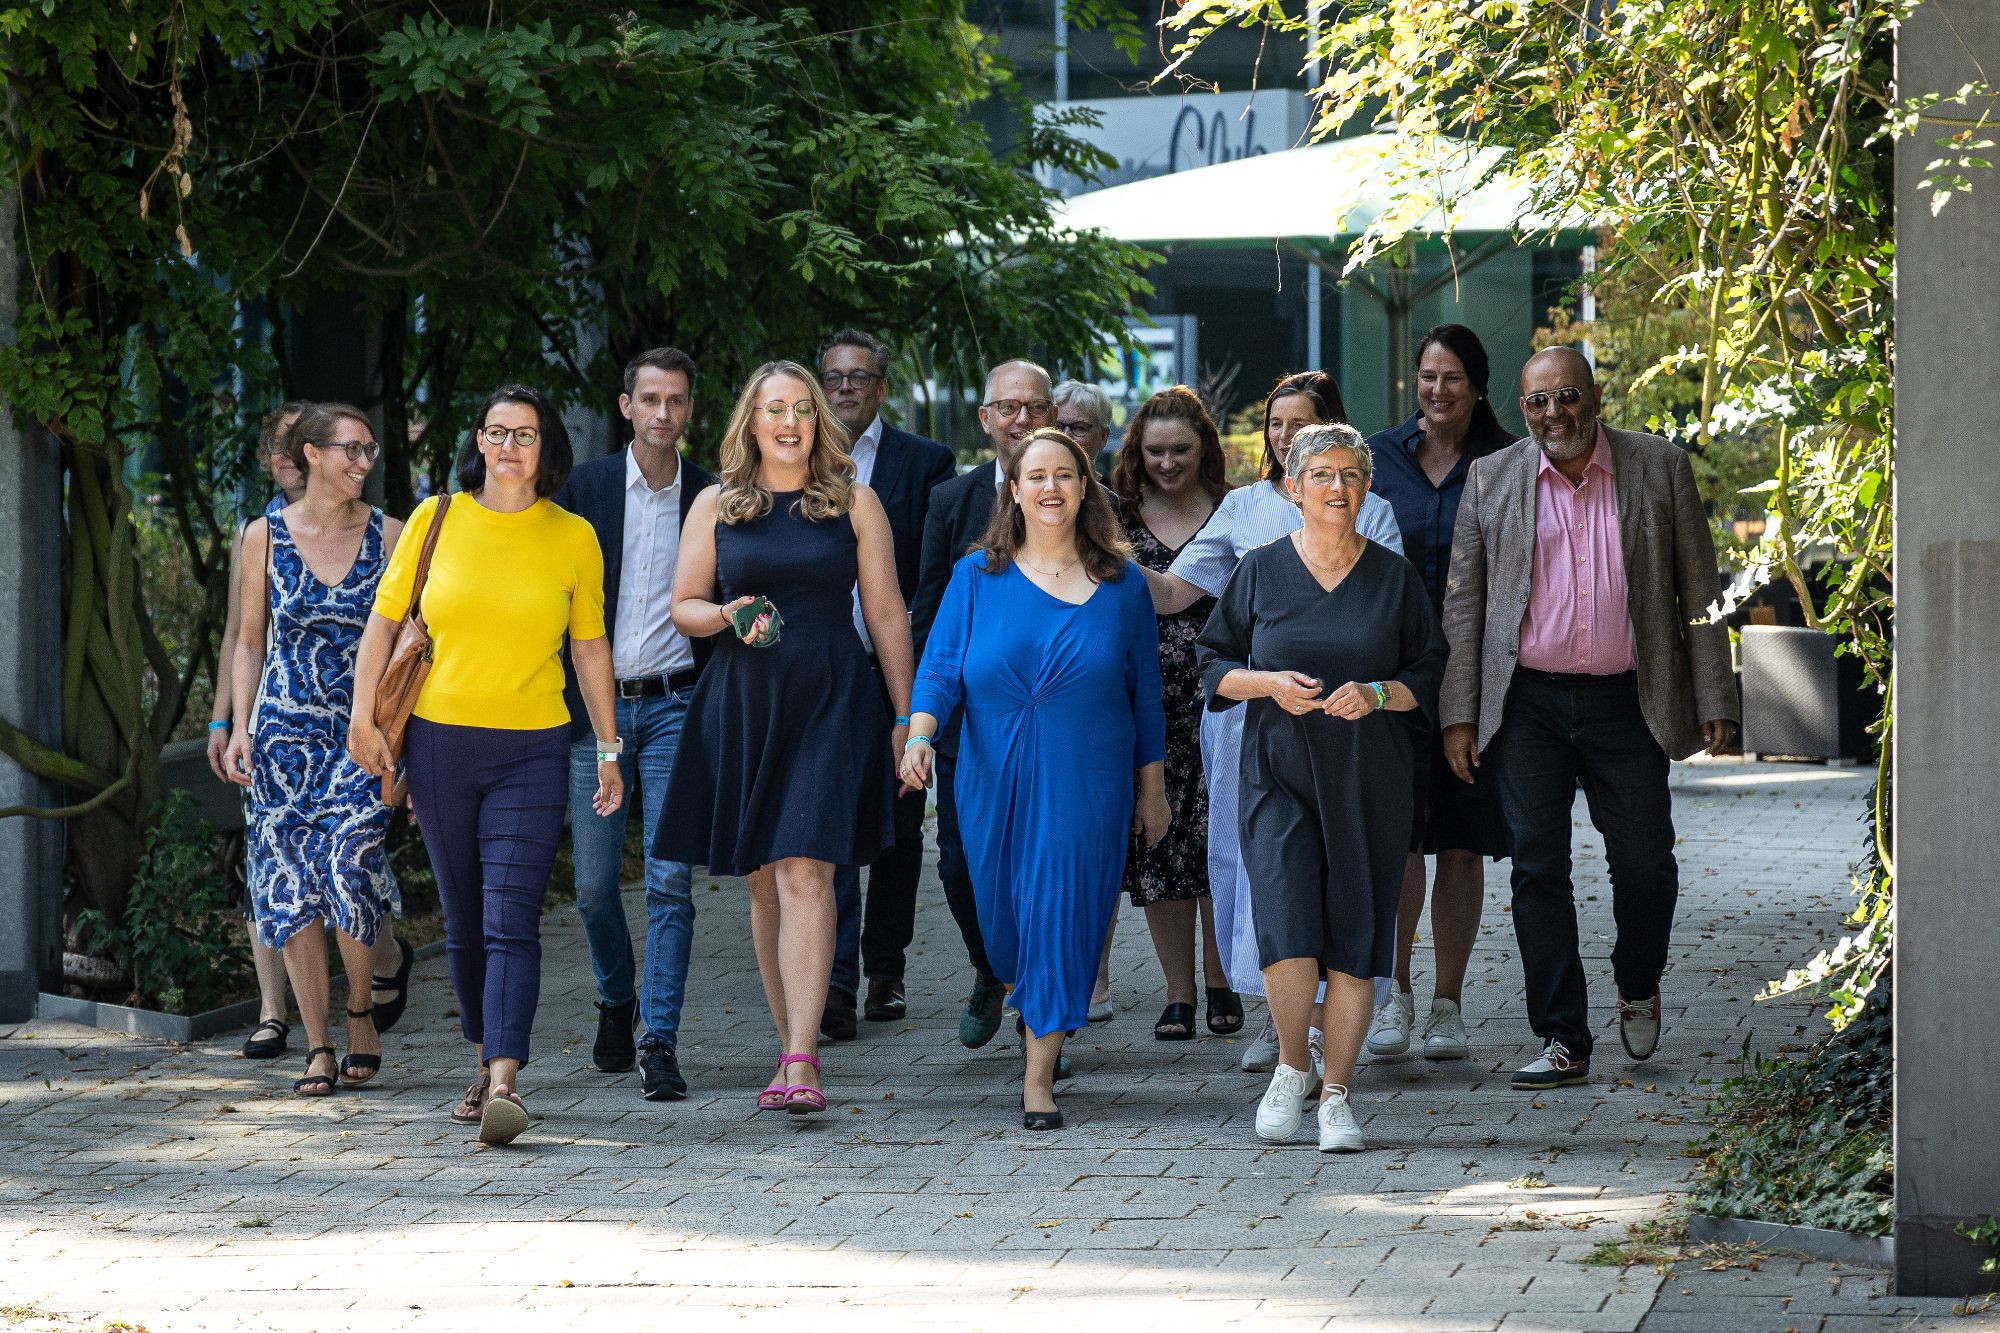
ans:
(652, 731)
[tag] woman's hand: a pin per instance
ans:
(367, 746)
(760, 628)
(1352, 701)
(915, 770)
(610, 788)
(236, 757)
(1293, 691)
(218, 745)
(1151, 818)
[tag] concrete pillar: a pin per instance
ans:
(1947, 674)
(31, 850)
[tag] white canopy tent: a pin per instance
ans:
(1315, 202)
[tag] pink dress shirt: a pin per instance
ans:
(1578, 621)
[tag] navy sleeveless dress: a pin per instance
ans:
(785, 751)
(317, 827)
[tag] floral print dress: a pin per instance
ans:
(1177, 869)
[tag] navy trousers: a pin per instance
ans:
(1559, 731)
(490, 803)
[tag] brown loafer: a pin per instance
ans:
(469, 1111)
(886, 1002)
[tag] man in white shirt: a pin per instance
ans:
(636, 500)
(901, 468)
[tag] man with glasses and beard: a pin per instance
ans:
(1582, 572)
(901, 468)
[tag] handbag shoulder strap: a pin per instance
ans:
(424, 557)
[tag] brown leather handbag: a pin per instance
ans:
(409, 664)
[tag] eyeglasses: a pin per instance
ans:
(1077, 427)
(355, 452)
(1326, 476)
(1569, 396)
(805, 410)
(860, 379)
(1009, 408)
(524, 437)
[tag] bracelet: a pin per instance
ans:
(219, 724)
(1381, 693)
(608, 751)
(903, 720)
(916, 740)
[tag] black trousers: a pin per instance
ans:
(1559, 731)
(952, 868)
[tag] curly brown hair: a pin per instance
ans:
(1176, 403)
(1100, 542)
(829, 489)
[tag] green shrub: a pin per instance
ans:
(1807, 1142)
(180, 945)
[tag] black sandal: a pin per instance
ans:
(328, 1081)
(1176, 1015)
(389, 1012)
(267, 1048)
(1225, 1011)
(360, 1068)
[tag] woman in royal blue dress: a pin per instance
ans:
(317, 829)
(1046, 637)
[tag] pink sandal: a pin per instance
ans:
(799, 1098)
(773, 1097)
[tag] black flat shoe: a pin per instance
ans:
(614, 1052)
(1176, 1023)
(390, 1012)
(267, 1040)
(1225, 1011)
(886, 1002)
(358, 1068)
(837, 1022)
(312, 1084)
(1039, 1120)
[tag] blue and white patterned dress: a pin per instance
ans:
(318, 827)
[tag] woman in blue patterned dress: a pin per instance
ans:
(318, 827)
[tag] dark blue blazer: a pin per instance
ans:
(595, 492)
(906, 468)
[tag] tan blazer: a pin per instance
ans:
(1670, 578)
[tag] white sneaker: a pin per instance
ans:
(1444, 1032)
(1338, 1131)
(1261, 1055)
(1389, 1033)
(1284, 1104)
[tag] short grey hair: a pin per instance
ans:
(1094, 398)
(1313, 441)
(1022, 362)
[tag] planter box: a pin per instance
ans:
(170, 1027)
(1833, 1247)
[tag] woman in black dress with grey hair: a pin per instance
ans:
(1325, 633)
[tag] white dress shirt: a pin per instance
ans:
(866, 446)
(646, 642)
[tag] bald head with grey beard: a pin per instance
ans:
(1562, 432)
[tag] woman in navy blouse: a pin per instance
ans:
(1420, 469)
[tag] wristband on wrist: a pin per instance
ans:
(916, 740)
(1381, 693)
(903, 720)
(608, 751)
(218, 724)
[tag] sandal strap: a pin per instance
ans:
(318, 1051)
(283, 1028)
(812, 1060)
(363, 1013)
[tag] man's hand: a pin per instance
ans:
(1461, 749)
(1718, 733)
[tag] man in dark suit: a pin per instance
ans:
(637, 499)
(1576, 612)
(901, 468)
(1017, 404)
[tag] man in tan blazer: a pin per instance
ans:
(1582, 572)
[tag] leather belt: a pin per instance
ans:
(1578, 677)
(645, 687)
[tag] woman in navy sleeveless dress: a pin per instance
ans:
(317, 828)
(785, 768)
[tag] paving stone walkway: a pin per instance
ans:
(184, 1189)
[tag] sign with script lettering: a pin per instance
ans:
(1157, 136)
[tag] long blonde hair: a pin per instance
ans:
(829, 488)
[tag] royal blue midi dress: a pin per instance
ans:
(1062, 703)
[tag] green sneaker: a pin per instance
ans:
(981, 1018)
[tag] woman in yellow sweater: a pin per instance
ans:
(488, 744)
